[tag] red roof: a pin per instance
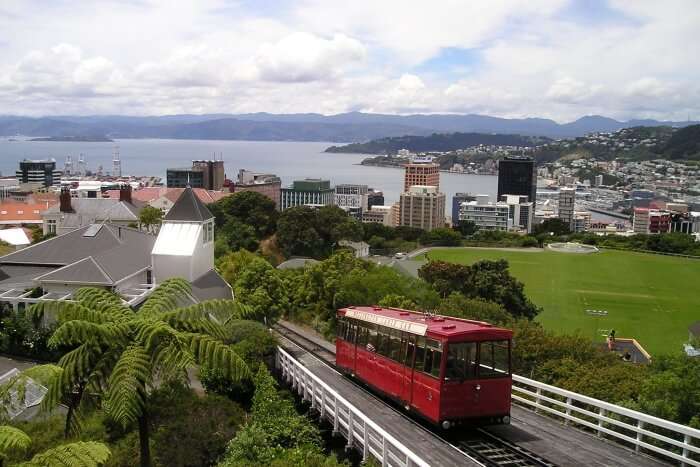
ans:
(149, 194)
(444, 326)
(22, 213)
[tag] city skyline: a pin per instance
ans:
(548, 58)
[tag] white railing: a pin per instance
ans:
(671, 440)
(347, 420)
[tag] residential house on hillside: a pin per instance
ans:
(18, 214)
(126, 261)
(74, 213)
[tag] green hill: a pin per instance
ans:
(437, 142)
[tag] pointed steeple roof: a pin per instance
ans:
(188, 208)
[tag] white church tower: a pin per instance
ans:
(185, 244)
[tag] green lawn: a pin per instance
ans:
(652, 298)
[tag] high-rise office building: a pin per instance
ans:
(423, 172)
(567, 201)
(457, 201)
(374, 198)
(209, 175)
(213, 174)
(486, 215)
(269, 185)
(422, 207)
(310, 191)
(517, 176)
(353, 197)
(41, 172)
(521, 212)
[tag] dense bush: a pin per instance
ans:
(274, 428)
(189, 430)
(252, 342)
(22, 337)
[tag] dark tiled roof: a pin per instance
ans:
(117, 252)
(85, 271)
(20, 277)
(101, 209)
(211, 286)
(188, 208)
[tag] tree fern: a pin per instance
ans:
(126, 395)
(13, 440)
(80, 454)
(166, 296)
(215, 354)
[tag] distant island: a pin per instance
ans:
(437, 142)
(76, 139)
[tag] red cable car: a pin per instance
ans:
(445, 369)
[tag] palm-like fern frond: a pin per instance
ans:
(126, 396)
(212, 353)
(80, 454)
(13, 440)
(166, 296)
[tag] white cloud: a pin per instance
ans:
(526, 58)
(302, 57)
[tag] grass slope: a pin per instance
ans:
(649, 297)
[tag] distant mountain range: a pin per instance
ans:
(346, 127)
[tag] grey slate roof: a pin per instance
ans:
(188, 208)
(211, 286)
(21, 277)
(85, 271)
(98, 209)
(114, 253)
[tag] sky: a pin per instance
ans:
(558, 59)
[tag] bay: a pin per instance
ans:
(289, 160)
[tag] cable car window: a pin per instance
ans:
(395, 351)
(361, 334)
(461, 361)
(383, 341)
(410, 348)
(373, 339)
(341, 328)
(433, 357)
(420, 353)
(494, 359)
(350, 331)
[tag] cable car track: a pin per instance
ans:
(491, 450)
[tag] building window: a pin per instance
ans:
(208, 232)
(51, 227)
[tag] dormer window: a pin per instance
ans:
(208, 232)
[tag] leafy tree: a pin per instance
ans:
(398, 301)
(297, 234)
(489, 280)
(79, 454)
(553, 225)
(459, 306)
(410, 234)
(247, 207)
(122, 355)
(467, 228)
(255, 283)
(238, 235)
(442, 237)
(150, 218)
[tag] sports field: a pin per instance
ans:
(652, 298)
